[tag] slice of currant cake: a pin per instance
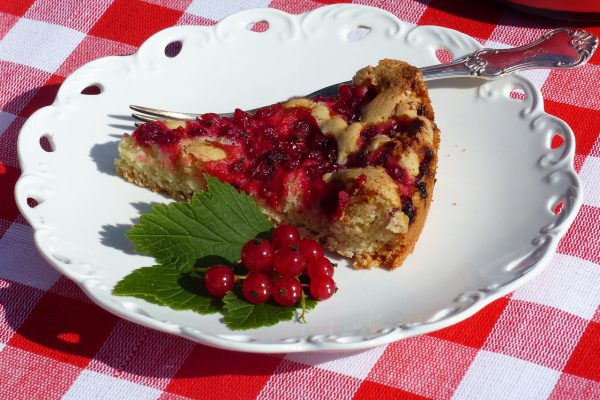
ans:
(354, 171)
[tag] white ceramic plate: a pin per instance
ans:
(490, 228)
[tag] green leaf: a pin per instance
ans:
(166, 286)
(216, 222)
(241, 315)
(210, 229)
(310, 304)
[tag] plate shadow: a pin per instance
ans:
(115, 235)
(104, 155)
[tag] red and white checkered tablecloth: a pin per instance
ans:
(542, 341)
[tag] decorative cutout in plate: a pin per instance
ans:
(491, 226)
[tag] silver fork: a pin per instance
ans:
(561, 48)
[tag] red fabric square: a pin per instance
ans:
(19, 84)
(223, 374)
(68, 13)
(423, 365)
(595, 150)
(376, 391)
(294, 7)
(474, 330)
(6, 23)
(8, 210)
(582, 239)
(4, 224)
(578, 162)
(584, 122)
(67, 288)
(517, 28)
(44, 96)
(577, 86)
(92, 48)
(536, 333)
(8, 148)
(584, 360)
(333, 1)
(409, 11)
(574, 387)
(15, 7)
(475, 18)
(26, 375)
(596, 317)
(294, 380)
(133, 21)
(171, 396)
(21, 220)
(64, 329)
(16, 302)
(180, 5)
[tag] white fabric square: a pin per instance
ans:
(219, 9)
(595, 151)
(537, 76)
(591, 180)
(39, 44)
(568, 283)
(496, 45)
(147, 368)
(357, 364)
(94, 386)
(5, 120)
(496, 376)
(21, 262)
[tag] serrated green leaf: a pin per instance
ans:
(216, 222)
(166, 286)
(310, 304)
(241, 315)
(210, 229)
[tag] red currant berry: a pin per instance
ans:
(256, 288)
(319, 267)
(285, 235)
(310, 249)
(219, 280)
(289, 261)
(322, 287)
(287, 291)
(257, 255)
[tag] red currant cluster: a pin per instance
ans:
(276, 269)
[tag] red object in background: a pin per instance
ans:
(53, 340)
(580, 10)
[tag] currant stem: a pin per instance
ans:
(303, 305)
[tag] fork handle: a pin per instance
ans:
(559, 48)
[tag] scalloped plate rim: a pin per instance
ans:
(393, 334)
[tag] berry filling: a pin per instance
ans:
(350, 100)
(278, 148)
